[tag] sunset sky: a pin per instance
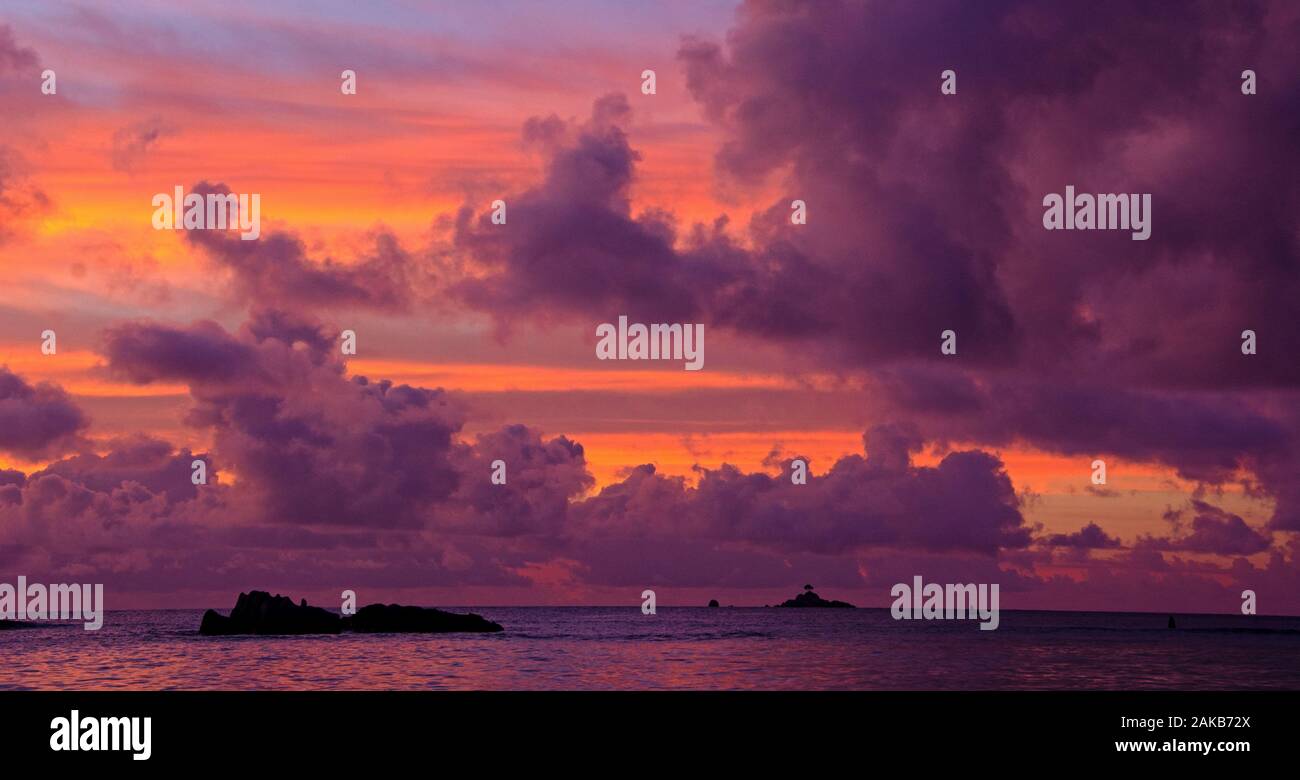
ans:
(476, 341)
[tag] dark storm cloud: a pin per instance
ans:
(935, 200)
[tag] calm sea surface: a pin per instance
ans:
(691, 648)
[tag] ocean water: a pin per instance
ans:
(607, 648)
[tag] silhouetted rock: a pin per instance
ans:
(14, 625)
(258, 612)
(1171, 622)
(215, 624)
(395, 618)
(713, 603)
(810, 598)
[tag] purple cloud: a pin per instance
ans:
(1090, 537)
(926, 216)
(37, 421)
(275, 270)
(1213, 530)
(965, 503)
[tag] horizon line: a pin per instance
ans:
(744, 606)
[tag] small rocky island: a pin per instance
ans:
(258, 612)
(395, 618)
(809, 598)
(14, 625)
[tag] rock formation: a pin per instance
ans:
(395, 618)
(809, 598)
(258, 612)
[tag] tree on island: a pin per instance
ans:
(809, 598)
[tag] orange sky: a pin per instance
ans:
(409, 149)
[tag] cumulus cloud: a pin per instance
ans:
(926, 216)
(965, 503)
(37, 421)
(320, 481)
(542, 476)
(310, 444)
